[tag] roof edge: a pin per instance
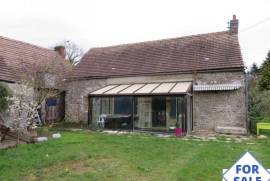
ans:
(23, 42)
(236, 69)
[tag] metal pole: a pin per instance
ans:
(133, 109)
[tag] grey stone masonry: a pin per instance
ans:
(220, 109)
(211, 109)
(77, 91)
(76, 100)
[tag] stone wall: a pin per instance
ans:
(219, 108)
(77, 92)
(76, 100)
(223, 108)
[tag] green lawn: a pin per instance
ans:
(97, 156)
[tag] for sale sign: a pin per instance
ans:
(246, 169)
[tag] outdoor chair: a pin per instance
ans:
(101, 121)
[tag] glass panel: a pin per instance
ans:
(155, 113)
(181, 105)
(181, 87)
(159, 112)
(123, 105)
(131, 89)
(117, 89)
(116, 112)
(164, 88)
(96, 102)
(146, 89)
(111, 105)
(143, 118)
(105, 105)
(104, 89)
(171, 113)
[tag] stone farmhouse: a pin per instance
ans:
(198, 81)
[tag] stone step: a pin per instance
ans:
(231, 130)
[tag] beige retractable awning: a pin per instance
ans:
(144, 89)
(217, 87)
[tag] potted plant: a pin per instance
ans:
(178, 130)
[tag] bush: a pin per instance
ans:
(4, 94)
(261, 119)
(259, 93)
(259, 101)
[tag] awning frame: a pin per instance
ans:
(151, 93)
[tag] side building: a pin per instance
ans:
(18, 60)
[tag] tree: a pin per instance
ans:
(264, 81)
(73, 52)
(254, 70)
(38, 81)
(21, 111)
(259, 93)
(47, 78)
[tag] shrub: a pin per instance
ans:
(259, 101)
(4, 95)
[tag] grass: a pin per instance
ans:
(96, 156)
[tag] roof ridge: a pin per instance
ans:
(23, 42)
(157, 40)
(208, 51)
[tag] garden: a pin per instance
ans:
(82, 154)
(87, 155)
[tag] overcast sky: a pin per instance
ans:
(95, 23)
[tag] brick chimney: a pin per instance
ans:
(60, 50)
(234, 25)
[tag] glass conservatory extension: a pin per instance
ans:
(152, 107)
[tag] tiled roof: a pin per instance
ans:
(15, 56)
(210, 51)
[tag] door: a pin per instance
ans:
(55, 108)
(51, 113)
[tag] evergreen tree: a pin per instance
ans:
(264, 82)
(254, 70)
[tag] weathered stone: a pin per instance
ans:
(231, 130)
(211, 109)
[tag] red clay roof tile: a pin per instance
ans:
(210, 51)
(15, 56)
